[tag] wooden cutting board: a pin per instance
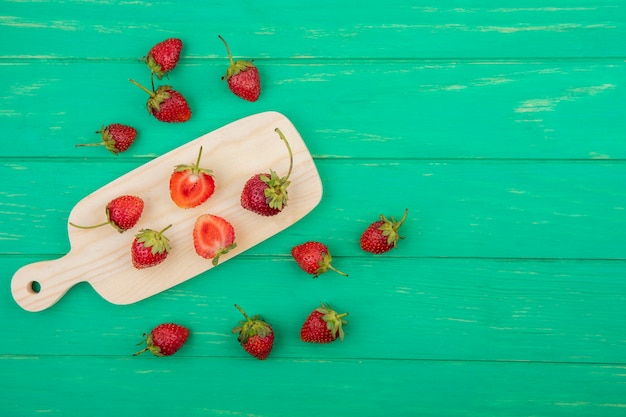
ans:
(101, 256)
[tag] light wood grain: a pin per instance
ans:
(102, 256)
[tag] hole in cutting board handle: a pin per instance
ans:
(39, 285)
(34, 287)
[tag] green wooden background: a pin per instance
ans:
(499, 124)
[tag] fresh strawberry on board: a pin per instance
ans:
(213, 236)
(165, 339)
(163, 57)
(323, 325)
(149, 248)
(255, 335)
(116, 138)
(191, 185)
(314, 258)
(381, 236)
(266, 194)
(242, 77)
(122, 213)
(166, 104)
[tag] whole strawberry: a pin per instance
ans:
(323, 325)
(255, 335)
(266, 194)
(166, 104)
(165, 339)
(242, 77)
(149, 248)
(163, 57)
(382, 235)
(116, 138)
(314, 258)
(122, 213)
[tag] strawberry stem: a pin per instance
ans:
(242, 312)
(142, 87)
(78, 145)
(284, 139)
(222, 251)
(230, 57)
(89, 227)
(337, 271)
(141, 351)
(399, 223)
(196, 168)
(161, 232)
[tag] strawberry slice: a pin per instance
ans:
(191, 185)
(213, 236)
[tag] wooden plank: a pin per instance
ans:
(399, 309)
(389, 109)
(284, 29)
(500, 209)
(360, 387)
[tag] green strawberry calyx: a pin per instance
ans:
(334, 321)
(389, 228)
(194, 168)
(222, 251)
(157, 241)
(276, 194)
(156, 97)
(249, 327)
(150, 346)
(325, 264)
(235, 66)
(155, 67)
(108, 141)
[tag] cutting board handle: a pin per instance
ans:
(39, 285)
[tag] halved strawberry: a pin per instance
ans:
(191, 185)
(213, 236)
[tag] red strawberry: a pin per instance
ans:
(314, 258)
(166, 104)
(266, 194)
(165, 339)
(163, 56)
(122, 213)
(382, 235)
(323, 325)
(191, 185)
(242, 77)
(213, 236)
(255, 335)
(149, 248)
(116, 138)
